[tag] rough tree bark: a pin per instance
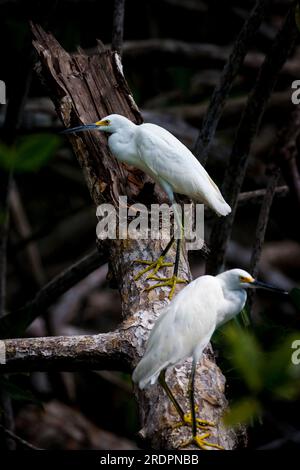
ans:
(85, 89)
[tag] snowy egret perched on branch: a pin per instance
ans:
(158, 153)
(185, 328)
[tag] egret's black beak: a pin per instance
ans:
(264, 285)
(87, 127)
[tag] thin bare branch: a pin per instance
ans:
(23, 228)
(19, 439)
(173, 51)
(233, 107)
(262, 224)
(248, 127)
(228, 75)
(288, 156)
(118, 26)
(257, 196)
(254, 198)
(52, 291)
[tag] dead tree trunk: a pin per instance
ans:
(85, 89)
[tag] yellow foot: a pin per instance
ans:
(153, 266)
(187, 421)
(166, 281)
(201, 423)
(200, 441)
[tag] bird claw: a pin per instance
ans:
(200, 442)
(187, 421)
(154, 266)
(201, 423)
(166, 282)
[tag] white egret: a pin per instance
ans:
(184, 329)
(158, 153)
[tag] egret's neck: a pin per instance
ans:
(126, 130)
(122, 143)
(234, 302)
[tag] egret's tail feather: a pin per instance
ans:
(145, 374)
(222, 209)
(215, 202)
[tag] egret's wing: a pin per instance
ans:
(168, 159)
(184, 327)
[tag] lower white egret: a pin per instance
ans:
(158, 153)
(184, 329)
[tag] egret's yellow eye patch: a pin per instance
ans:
(246, 279)
(105, 122)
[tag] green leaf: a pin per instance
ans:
(7, 156)
(245, 356)
(242, 320)
(245, 317)
(281, 376)
(35, 151)
(287, 391)
(242, 411)
(30, 154)
(17, 393)
(3, 217)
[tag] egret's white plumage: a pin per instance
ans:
(186, 325)
(158, 153)
(184, 329)
(161, 155)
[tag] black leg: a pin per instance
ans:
(192, 398)
(177, 259)
(165, 386)
(178, 248)
(168, 247)
(155, 266)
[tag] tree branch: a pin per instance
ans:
(288, 155)
(228, 75)
(286, 140)
(16, 322)
(261, 226)
(232, 108)
(18, 439)
(257, 196)
(248, 127)
(68, 353)
(173, 51)
(118, 26)
(22, 225)
(254, 197)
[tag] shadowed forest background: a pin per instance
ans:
(173, 55)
